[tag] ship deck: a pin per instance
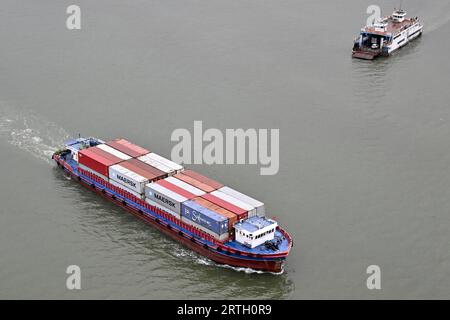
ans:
(392, 27)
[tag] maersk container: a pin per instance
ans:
(194, 182)
(96, 162)
(121, 186)
(258, 205)
(221, 237)
(173, 213)
(204, 217)
(113, 151)
(127, 147)
(185, 186)
(208, 181)
(128, 178)
(247, 207)
(168, 163)
(163, 196)
(158, 165)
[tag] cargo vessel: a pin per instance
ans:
(214, 220)
(386, 36)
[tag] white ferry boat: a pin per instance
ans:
(386, 36)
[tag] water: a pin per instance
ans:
(364, 151)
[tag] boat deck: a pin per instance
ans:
(392, 26)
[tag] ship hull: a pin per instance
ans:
(274, 265)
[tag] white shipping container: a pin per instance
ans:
(221, 237)
(164, 197)
(185, 186)
(166, 162)
(128, 178)
(238, 203)
(121, 186)
(114, 152)
(158, 165)
(259, 206)
(152, 203)
(93, 172)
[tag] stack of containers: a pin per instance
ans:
(149, 159)
(128, 180)
(258, 205)
(251, 211)
(167, 196)
(232, 218)
(127, 147)
(195, 176)
(97, 161)
(238, 211)
(204, 219)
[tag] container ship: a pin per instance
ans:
(214, 220)
(386, 36)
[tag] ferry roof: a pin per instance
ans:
(254, 224)
(80, 143)
(392, 27)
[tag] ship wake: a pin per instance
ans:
(31, 133)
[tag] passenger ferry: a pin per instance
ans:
(386, 36)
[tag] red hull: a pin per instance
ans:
(275, 265)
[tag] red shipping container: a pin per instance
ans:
(176, 189)
(138, 163)
(241, 213)
(208, 181)
(94, 161)
(127, 147)
(144, 173)
(106, 155)
(194, 182)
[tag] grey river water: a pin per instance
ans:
(364, 173)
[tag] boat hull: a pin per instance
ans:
(274, 265)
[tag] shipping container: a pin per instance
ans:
(232, 218)
(258, 205)
(163, 196)
(204, 217)
(105, 155)
(96, 162)
(150, 161)
(146, 174)
(241, 213)
(222, 237)
(127, 147)
(83, 167)
(144, 166)
(194, 182)
(113, 151)
(250, 209)
(182, 192)
(128, 178)
(165, 209)
(208, 181)
(185, 186)
(122, 187)
(168, 163)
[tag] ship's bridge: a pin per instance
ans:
(255, 231)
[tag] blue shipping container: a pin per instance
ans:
(204, 217)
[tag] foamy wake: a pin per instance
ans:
(30, 132)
